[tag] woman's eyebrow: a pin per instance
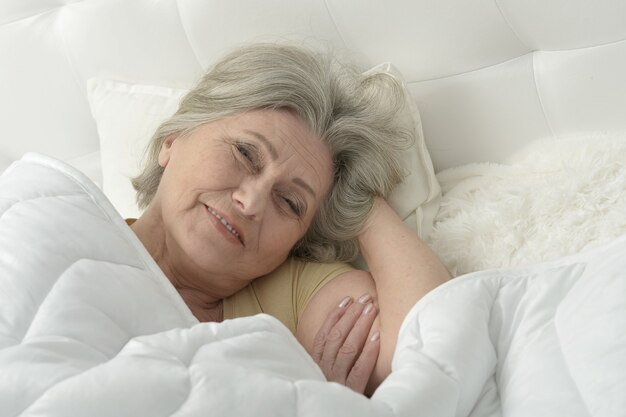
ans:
(299, 181)
(270, 148)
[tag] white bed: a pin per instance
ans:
(523, 112)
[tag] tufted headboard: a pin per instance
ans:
(487, 75)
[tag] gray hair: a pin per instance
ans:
(358, 116)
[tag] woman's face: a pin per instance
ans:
(238, 193)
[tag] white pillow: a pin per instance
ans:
(127, 115)
(417, 198)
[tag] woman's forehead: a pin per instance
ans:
(286, 139)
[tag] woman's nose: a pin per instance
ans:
(251, 198)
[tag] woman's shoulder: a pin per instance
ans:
(295, 269)
(302, 279)
(286, 291)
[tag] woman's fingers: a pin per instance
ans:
(339, 332)
(319, 343)
(353, 344)
(341, 346)
(364, 366)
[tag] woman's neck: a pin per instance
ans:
(202, 294)
(203, 307)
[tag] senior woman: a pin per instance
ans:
(275, 167)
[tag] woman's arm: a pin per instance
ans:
(403, 269)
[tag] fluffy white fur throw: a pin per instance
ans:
(552, 199)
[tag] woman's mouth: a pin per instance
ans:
(227, 225)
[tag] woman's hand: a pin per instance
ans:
(343, 348)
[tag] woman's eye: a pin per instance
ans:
(293, 206)
(244, 150)
(249, 153)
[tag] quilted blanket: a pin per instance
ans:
(89, 326)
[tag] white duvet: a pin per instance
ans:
(89, 326)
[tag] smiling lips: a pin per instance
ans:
(230, 228)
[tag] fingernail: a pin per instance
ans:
(345, 302)
(375, 337)
(367, 308)
(364, 298)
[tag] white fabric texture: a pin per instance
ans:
(551, 199)
(127, 115)
(90, 326)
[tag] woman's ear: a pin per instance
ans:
(166, 149)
